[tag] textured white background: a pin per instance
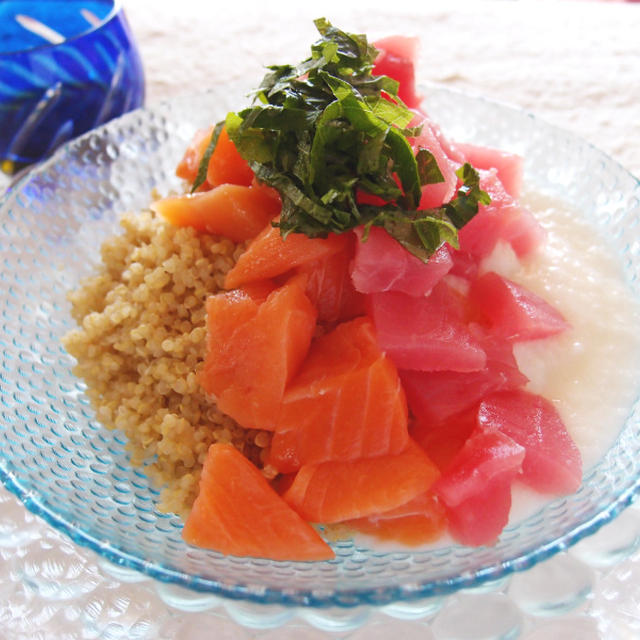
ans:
(576, 64)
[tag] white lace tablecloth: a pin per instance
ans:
(575, 64)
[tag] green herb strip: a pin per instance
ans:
(326, 130)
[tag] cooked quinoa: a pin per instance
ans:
(140, 346)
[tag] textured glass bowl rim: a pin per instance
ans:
(116, 8)
(376, 596)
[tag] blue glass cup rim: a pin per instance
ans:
(114, 12)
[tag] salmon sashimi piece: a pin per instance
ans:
(237, 512)
(331, 289)
(411, 531)
(338, 491)
(259, 290)
(422, 504)
(231, 210)
(362, 414)
(420, 521)
(254, 348)
(270, 255)
(187, 168)
(346, 403)
(226, 165)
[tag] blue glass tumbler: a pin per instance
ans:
(66, 66)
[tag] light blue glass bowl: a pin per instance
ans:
(74, 473)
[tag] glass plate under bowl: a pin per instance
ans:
(67, 468)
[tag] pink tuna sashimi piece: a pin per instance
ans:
(479, 520)
(552, 462)
(523, 232)
(397, 60)
(434, 396)
(476, 486)
(443, 441)
(503, 219)
(513, 312)
(426, 333)
(434, 195)
(507, 165)
(383, 264)
(464, 264)
(485, 456)
(450, 148)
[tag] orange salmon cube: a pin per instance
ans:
(187, 168)
(231, 210)
(338, 491)
(227, 165)
(254, 348)
(237, 512)
(346, 403)
(269, 255)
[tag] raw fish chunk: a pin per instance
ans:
(476, 486)
(231, 210)
(552, 461)
(269, 255)
(434, 195)
(339, 491)
(383, 264)
(330, 288)
(480, 519)
(507, 165)
(442, 441)
(397, 60)
(226, 165)
(254, 349)
(420, 521)
(346, 403)
(513, 312)
(238, 513)
(426, 333)
(434, 396)
(503, 219)
(187, 168)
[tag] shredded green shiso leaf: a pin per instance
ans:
(326, 129)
